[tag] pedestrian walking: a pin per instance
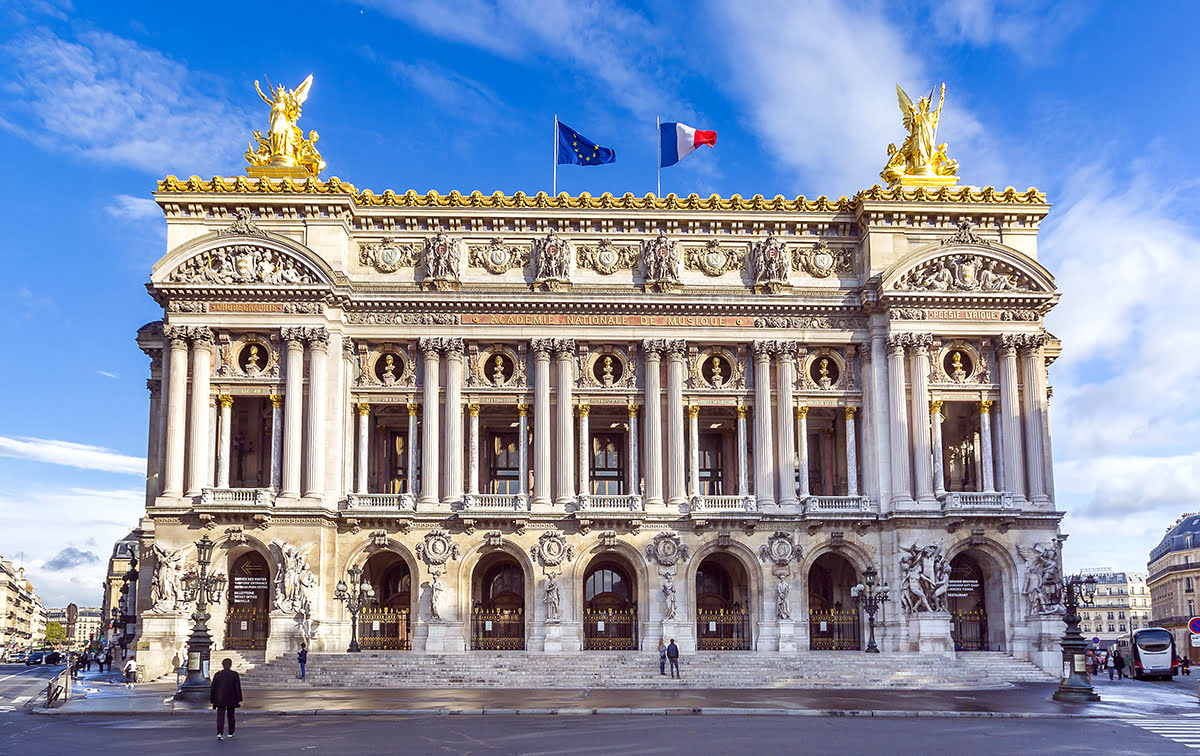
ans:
(226, 696)
(130, 670)
(662, 657)
(302, 657)
(1120, 664)
(87, 661)
(673, 657)
(1111, 666)
(1186, 664)
(108, 657)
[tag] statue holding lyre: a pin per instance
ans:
(284, 147)
(920, 160)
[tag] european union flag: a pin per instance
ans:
(576, 149)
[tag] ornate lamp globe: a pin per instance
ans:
(204, 550)
(869, 575)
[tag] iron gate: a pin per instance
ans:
(246, 628)
(834, 631)
(610, 630)
(722, 630)
(384, 628)
(969, 630)
(501, 630)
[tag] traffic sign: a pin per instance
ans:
(1194, 624)
(1096, 641)
(1195, 641)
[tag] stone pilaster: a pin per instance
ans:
(1010, 418)
(176, 410)
(523, 450)
(802, 440)
(541, 423)
(985, 440)
(314, 467)
(676, 451)
(363, 452)
(898, 414)
(414, 484)
(764, 483)
(564, 352)
(453, 453)
(693, 413)
(431, 440)
(225, 401)
(921, 444)
(276, 441)
(743, 473)
(785, 463)
(200, 449)
(585, 486)
(1034, 411)
(851, 453)
(653, 349)
(293, 409)
(473, 449)
(939, 463)
(632, 484)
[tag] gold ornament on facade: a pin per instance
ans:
(920, 161)
(284, 152)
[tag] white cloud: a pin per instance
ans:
(107, 374)
(1029, 28)
(128, 207)
(67, 453)
(111, 100)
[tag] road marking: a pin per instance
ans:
(20, 700)
(1181, 731)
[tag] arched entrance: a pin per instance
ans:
(722, 604)
(609, 605)
(498, 614)
(976, 590)
(248, 613)
(833, 622)
(386, 623)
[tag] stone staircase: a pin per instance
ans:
(729, 669)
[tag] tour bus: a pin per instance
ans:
(1152, 651)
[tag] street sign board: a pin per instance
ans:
(1195, 640)
(1194, 624)
(1096, 641)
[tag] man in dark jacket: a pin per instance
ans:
(1120, 664)
(673, 657)
(225, 696)
(302, 657)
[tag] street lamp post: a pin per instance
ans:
(201, 587)
(1075, 687)
(355, 597)
(870, 598)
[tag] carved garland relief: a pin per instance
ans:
(243, 264)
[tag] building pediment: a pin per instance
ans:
(967, 264)
(250, 258)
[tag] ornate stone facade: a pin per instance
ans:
(560, 424)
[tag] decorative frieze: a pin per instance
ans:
(243, 264)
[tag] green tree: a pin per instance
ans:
(55, 633)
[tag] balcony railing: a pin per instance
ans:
(723, 504)
(237, 497)
(839, 504)
(978, 500)
(381, 502)
(496, 502)
(610, 503)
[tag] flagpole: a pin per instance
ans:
(555, 185)
(658, 160)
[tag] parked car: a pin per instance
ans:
(53, 657)
(16, 657)
(37, 657)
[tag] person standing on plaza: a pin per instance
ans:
(302, 657)
(1110, 665)
(1120, 665)
(673, 657)
(226, 696)
(130, 670)
(662, 657)
(108, 657)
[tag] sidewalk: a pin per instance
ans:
(1123, 699)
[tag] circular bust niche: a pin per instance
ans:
(254, 357)
(389, 366)
(958, 363)
(608, 368)
(716, 370)
(498, 367)
(824, 370)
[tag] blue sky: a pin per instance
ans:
(1095, 104)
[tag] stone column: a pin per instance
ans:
(541, 423)
(997, 449)
(922, 453)
(878, 417)
(176, 410)
(154, 460)
(314, 467)
(413, 484)
(631, 487)
(585, 488)
(764, 484)
(454, 422)
(293, 409)
(1034, 410)
(276, 441)
(1010, 418)
(743, 488)
(802, 440)
(364, 445)
(431, 348)
(226, 403)
(851, 453)
(652, 349)
(210, 471)
(785, 356)
(985, 442)
(564, 352)
(693, 413)
(473, 449)
(676, 454)
(200, 450)
(898, 413)
(523, 450)
(939, 462)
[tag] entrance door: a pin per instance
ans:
(498, 617)
(247, 615)
(833, 620)
(968, 610)
(609, 611)
(722, 622)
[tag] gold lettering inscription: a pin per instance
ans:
(964, 314)
(245, 306)
(685, 321)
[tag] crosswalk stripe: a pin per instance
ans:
(1186, 733)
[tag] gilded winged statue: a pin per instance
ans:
(285, 145)
(920, 155)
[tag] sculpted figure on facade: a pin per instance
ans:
(963, 273)
(1043, 577)
(771, 265)
(243, 264)
(166, 589)
(285, 145)
(553, 598)
(551, 551)
(294, 580)
(919, 156)
(783, 606)
(243, 225)
(442, 259)
(662, 264)
(435, 551)
(926, 578)
(670, 599)
(552, 256)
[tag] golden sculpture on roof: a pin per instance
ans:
(284, 151)
(920, 160)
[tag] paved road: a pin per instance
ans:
(20, 685)
(23, 733)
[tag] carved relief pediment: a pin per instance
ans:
(244, 264)
(965, 271)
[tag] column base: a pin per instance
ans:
(561, 637)
(541, 506)
(683, 632)
(932, 631)
(442, 637)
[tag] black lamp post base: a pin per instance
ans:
(197, 691)
(1075, 695)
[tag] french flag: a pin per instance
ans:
(678, 140)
